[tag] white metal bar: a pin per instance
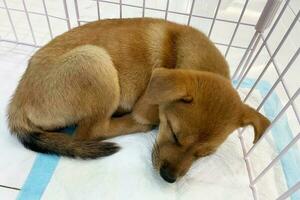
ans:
(273, 162)
(35, 13)
(283, 81)
(191, 12)
(29, 22)
(273, 55)
(233, 46)
(179, 13)
(248, 165)
(217, 43)
(282, 111)
(236, 27)
(245, 55)
(292, 10)
(267, 15)
(67, 14)
(279, 79)
(77, 12)
(144, 6)
(290, 191)
(167, 9)
(214, 19)
(47, 18)
(134, 6)
(22, 43)
(261, 47)
(249, 58)
(98, 9)
(10, 20)
(120, 1)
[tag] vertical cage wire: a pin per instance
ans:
(273, 162)
(98, 9)
(31, 28)
(246, 154)
(77, 12)
(11, 21)
(144, 7)
(273, 55)
(29, 22)
(47, 18)
(263, 44)
(67, 14)
(289, 192)
(288, 93)
(236, 27)
(191, 12)
(244, 75)
(120, 9)
(251, 48)
(167, 9)
(278, 116)
(248, 165)
(280, 79)
(214, 19)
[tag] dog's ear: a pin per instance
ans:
(259, 122)
(167, 85)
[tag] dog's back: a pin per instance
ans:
(124, 53)
(143, 42)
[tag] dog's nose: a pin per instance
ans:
(167, 175)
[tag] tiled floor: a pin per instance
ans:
(16, 162)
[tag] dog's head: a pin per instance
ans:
(197, 111)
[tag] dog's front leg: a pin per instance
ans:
(112, 127)
(126, 125)
(143, 117)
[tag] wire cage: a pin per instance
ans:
(261, 45)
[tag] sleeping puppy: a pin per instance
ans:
(121, 76)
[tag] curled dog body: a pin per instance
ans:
(121, 76)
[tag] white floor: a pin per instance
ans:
(16, 161)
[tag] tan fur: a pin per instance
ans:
(146, 72)
(201, 109)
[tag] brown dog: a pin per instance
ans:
(115, 77)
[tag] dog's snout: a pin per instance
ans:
(167, 174)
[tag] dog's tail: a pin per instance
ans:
(36, 139)
(65, 145)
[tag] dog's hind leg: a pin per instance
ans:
(80, 86)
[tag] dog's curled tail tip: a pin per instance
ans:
(65, 145)
(94, 148)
